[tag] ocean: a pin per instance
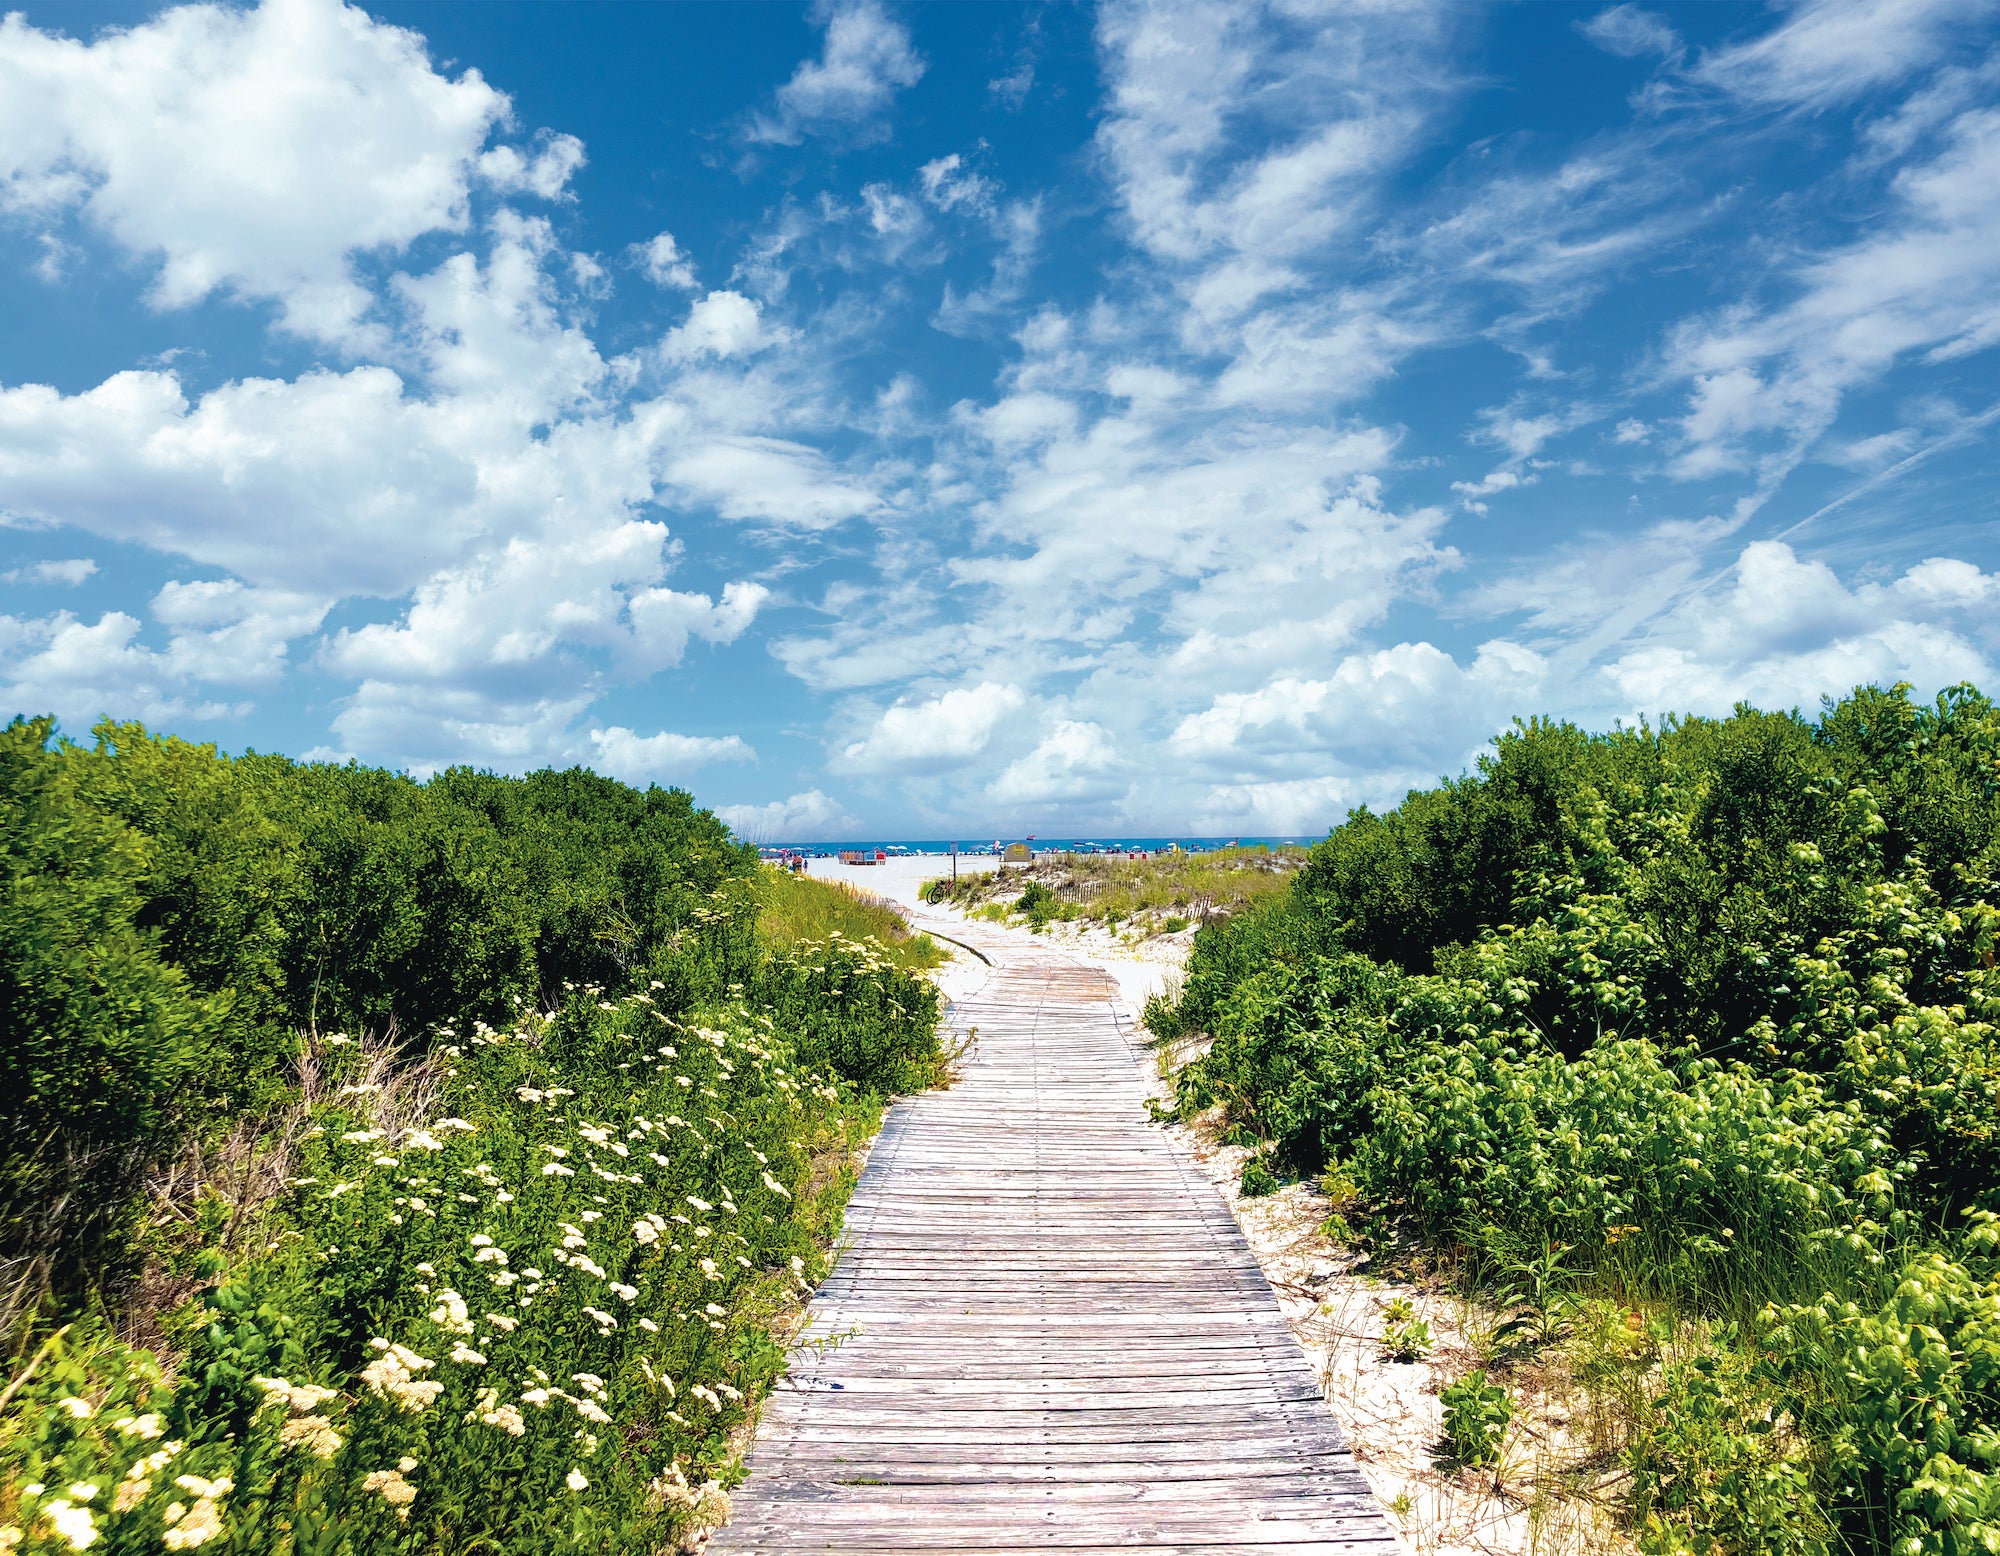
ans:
(1041, 845)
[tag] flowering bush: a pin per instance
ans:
(529, 1317)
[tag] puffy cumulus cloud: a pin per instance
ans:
(809, 817)
(497, 494)
(722, 324)
(1787, 632)
(83, 671)
(545, 174)
(866, 59)
(371, 486)
(662, 621)
(1410, 706)
(379, 480)
(254, 150)
(224, 631)
(1074, 764)
(488, 722)
(518, 642)
(1282, 807)
(934, 734)
(662, 758)
(665, 262)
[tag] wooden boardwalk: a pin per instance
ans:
(1058, 1337)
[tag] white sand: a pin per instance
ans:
(901, 876)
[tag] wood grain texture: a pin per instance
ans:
(1056, 1338)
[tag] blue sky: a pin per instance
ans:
(970, 418)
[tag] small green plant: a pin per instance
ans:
(1257, 1179)
(1476, 1416)
(1405, 1337)
(1539, 1291)
(1339, 1187)
(1173, 925)
(1038, 905)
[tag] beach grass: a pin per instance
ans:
(1164, 893)
(796, 908)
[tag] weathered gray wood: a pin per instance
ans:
(1055, 1337)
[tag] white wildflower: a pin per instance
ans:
(74, 1524)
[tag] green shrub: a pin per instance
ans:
(107, 1047)
(172, 916)
(1476, 1416)
(1257, 1179)
(1717, 1467)
(1714, 1006)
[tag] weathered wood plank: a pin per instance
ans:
(1053, 1334)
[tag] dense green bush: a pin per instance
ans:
(558, 1138)
(1713, 1005)
(171, 917)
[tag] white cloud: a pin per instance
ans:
(810, 817)
(252, 150)
(1074, 764)
(1013, 88)
(665, 263)
(225, 632)
(1493, 481)
(1926, 278)
(546, 174)
(663, 758)
(722, 324)
(81, 672)
(948, 184)
(511, 621)
(1787, 632)
(1284, 807)
(768, 479)
(1629, 32)
(1394, 708)
(935, 734)
(1834, 50)
(866, 59)
(71, 571)
(368, 482)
